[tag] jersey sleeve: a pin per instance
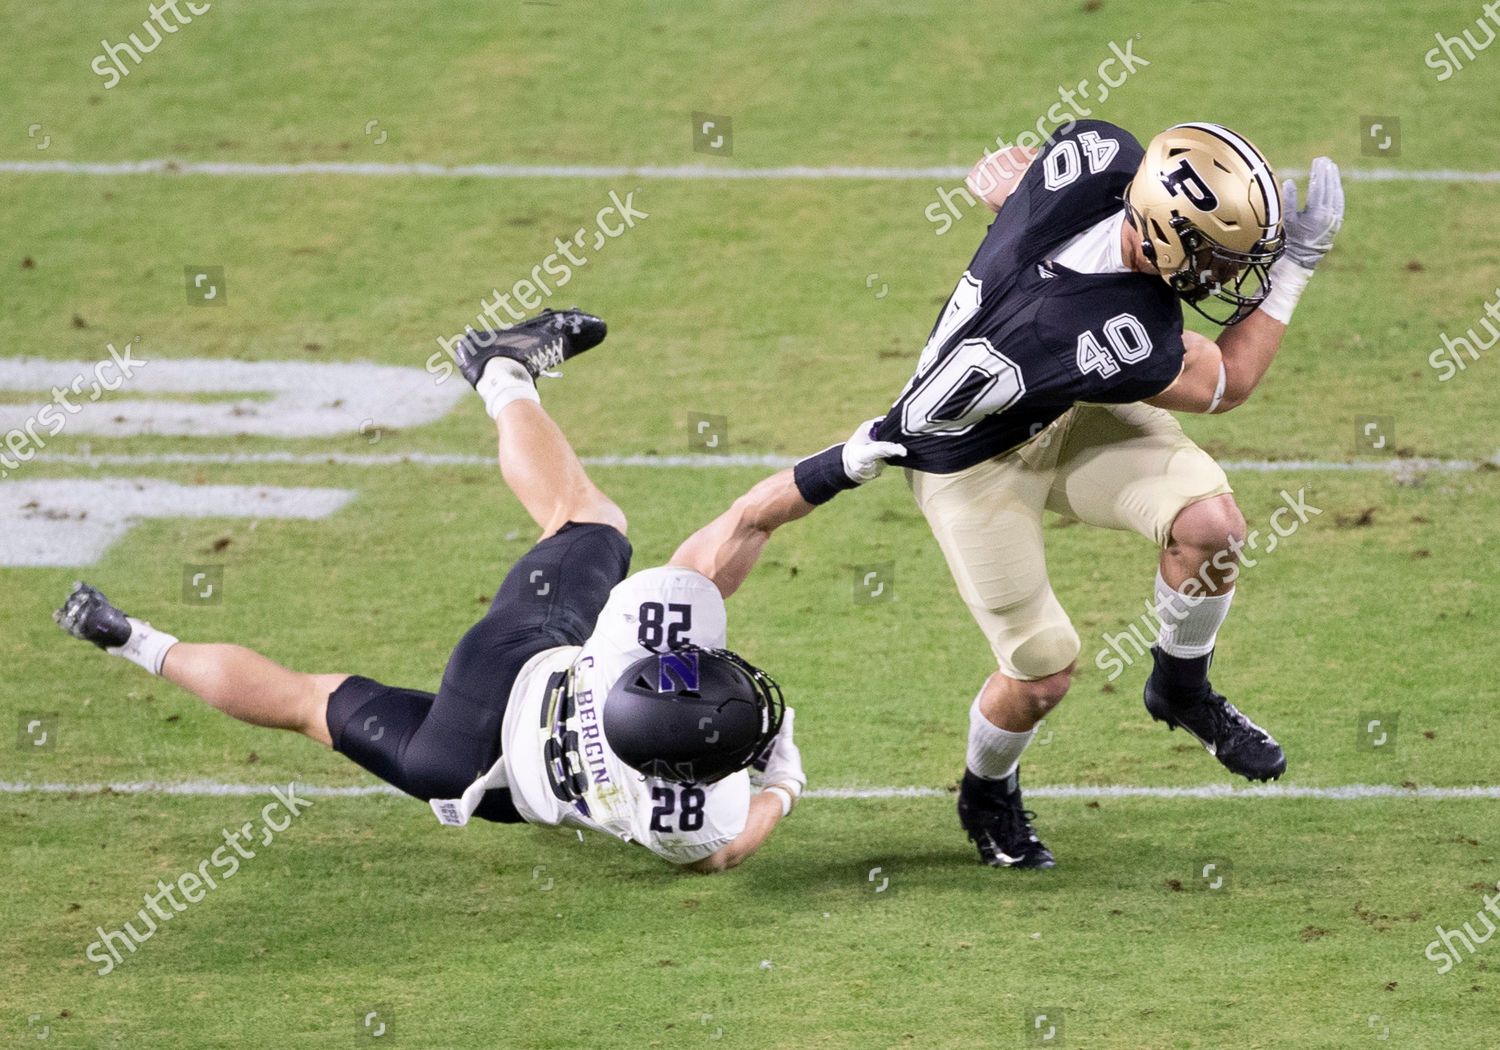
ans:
(1118, 345)
(1078, 179)
(726, 808)
(660, 609)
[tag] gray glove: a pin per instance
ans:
(1309, 233)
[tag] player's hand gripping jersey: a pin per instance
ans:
(1022, 338)
(554, 756)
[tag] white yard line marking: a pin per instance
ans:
(768, 461)
(164, 166)
(1213, 792)
(1337, 793)
(420, 459)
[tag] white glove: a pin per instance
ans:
(864, 457)
(781, 763)
(1309, 233)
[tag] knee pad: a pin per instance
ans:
(1042, 651)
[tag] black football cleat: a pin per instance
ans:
(1240, 745)
(88, 615)
(1000, 828)
(539, 343)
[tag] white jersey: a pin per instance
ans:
(556, 761)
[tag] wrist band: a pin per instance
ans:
(784, 795)
(1288, 280)
(821, 476)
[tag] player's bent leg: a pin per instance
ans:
(1194, 589)
(987, 520)
(435, 746)
(1205, 538)
(251, 688)
(1131, 467)
(241, 683)
(535, 458)
(545, 473)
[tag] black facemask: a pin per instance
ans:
(1214, 273)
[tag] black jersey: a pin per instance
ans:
(1023, 339)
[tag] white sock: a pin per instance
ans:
(147, 647)
(994, 753)
(504, 381)
(1189, 625)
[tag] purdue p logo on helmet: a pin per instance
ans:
(1208, 213)
(692, 715)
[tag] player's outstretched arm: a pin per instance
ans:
(765, 814)
(778, 773)
(727, 548)
(1219, 376)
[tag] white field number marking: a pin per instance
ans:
(73, 522)
(293, 399)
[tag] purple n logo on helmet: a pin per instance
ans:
(677, 672)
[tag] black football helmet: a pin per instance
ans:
(692, 715)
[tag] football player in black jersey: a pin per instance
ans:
(1046, 384)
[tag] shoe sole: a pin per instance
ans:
(80, 622)
(1019, 866)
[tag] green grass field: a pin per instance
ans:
(792, 308)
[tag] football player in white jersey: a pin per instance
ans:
(582, 698)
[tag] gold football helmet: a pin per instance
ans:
(1207, 209)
